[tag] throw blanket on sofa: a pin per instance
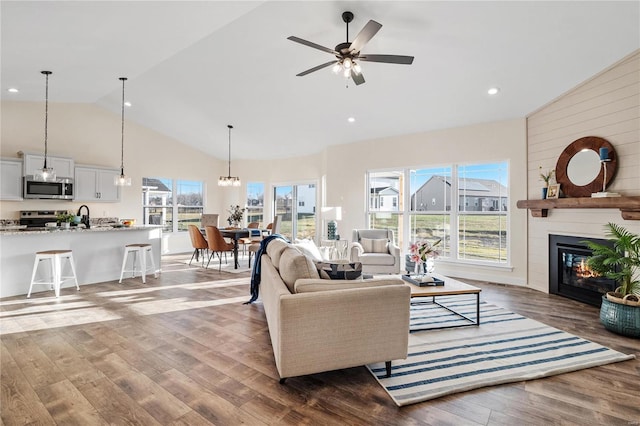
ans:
(255, 273)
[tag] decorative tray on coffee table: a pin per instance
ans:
(422, 280)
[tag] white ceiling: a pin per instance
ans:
(194, 67)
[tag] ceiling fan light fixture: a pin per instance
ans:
(45, 173)
(347, 63)
(336, 68)
(357, 68)
(229, 180)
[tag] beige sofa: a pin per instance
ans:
(320, 325)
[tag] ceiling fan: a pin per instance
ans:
(348, 53)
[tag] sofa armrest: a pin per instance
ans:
(328, 330)
(356, 251)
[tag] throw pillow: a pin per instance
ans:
(309, 248)
(294, 265)
(370, 245)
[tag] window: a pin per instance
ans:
(296, 206)
(463, 205)
(383, 214)
(164, 200)
(482, 223)
(430, 206)
(255, 203)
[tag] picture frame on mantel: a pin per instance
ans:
(553, 192)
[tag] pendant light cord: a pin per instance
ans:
(122, 131)
(230, 127)
(46, 114)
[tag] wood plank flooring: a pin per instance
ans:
(182, 349)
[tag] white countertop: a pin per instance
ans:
(11, 230)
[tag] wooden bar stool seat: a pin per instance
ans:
(141, 249)
(55, 258)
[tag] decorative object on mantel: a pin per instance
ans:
(629, 206)
(579, 168)
(620, 310)
(235, 216)
(604, 159)
(122, 180)
(46, 173)
(553, 191)
(546, 177)
(229, 180)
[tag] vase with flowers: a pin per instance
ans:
(235, 216)
(547, 178)
(423, 253)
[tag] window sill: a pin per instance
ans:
(479, 265)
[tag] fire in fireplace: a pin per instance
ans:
(569, 274)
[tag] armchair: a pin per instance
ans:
(376, 250)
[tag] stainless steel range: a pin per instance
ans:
(37, 218)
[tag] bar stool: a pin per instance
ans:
(138, 249)
(55, 257)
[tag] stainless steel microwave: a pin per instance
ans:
(59, 189)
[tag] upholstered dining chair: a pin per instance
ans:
(198, 242)
(217, 244)
(209, 219)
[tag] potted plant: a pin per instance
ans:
(65, 219)
(546, 177)
(235, 216)
(620, 310)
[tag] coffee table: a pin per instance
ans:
(451, 287)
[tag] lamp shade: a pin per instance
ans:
(331, 213)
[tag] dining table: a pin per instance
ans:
(235, 234)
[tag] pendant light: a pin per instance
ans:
(122, 180)
(229, 180)
(45, 173)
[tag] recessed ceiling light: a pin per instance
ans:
(127, 104)
(493, 91)
(12, 90)
(351, 119)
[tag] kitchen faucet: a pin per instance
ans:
(85, 217)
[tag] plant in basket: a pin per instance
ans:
(620, 310)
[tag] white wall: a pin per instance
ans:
(608, 106)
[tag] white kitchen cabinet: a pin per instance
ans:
(63, 166)
(10, 179)
(96, 184)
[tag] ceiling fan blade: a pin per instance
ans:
(319, 67)
(311, 44)
(357, 78)
(388, 59)
(365, 35)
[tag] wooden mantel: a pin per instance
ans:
(629, 206)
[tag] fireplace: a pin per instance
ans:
(569, 274)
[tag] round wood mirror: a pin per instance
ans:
(579, 170)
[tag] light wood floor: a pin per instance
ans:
(183, 349)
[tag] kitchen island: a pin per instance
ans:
(97, 252)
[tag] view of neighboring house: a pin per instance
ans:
(473, 195)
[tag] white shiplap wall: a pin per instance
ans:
(608, 106)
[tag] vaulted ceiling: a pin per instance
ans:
(194, 67)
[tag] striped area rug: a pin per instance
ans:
(506, 347)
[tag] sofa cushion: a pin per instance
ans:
(275, 249)
(377, 245)
(310, 285)
(294, 265)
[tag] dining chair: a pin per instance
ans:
(255, 242)
(198, 242)
(246, 241)
(217, 244)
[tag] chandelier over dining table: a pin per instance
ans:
(229, 180)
